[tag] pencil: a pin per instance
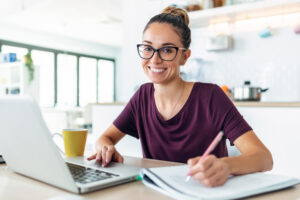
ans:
(210, 148)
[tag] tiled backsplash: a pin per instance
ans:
(272, 62)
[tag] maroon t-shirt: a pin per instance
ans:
(206, 112)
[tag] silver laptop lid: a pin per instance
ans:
(27, 146)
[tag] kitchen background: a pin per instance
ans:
(239, 53)
(270, 62)
(250, 40)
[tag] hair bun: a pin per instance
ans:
(177, 12)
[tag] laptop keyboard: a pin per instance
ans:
(87, 175)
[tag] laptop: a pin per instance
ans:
(28, 149)
(1, 160)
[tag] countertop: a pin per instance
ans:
(266, 104)
(236, 103)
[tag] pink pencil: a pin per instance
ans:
(211, 147)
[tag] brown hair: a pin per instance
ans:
(179, 19)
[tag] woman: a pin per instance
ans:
(177, 120)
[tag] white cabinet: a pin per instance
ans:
(103, 116)
(243, 11)
(14, 80)
(279, 130)
(11, 78)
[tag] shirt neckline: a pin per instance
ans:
(178, 113)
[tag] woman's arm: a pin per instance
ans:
(255, 157)
(212, 171)
(105, 149)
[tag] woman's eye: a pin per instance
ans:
(167, 50)
(147, 49)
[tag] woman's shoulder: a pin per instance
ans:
(145, 88)
(143, 92)
(206, 87)
(207, 92)
(146, 85)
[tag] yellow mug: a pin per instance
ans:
(74, 141)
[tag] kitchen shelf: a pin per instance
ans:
(243, 11)
(11, 78)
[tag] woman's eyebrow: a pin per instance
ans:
(168, 44)
(164, 44)
(146, 41)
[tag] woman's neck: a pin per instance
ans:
(170, 90)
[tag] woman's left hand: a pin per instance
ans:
(211, 171)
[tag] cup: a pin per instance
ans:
(267, 32)
(74, 141)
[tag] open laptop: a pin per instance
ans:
(27, 147)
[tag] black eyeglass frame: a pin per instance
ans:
(157, 50)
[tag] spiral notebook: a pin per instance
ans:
(171, 181)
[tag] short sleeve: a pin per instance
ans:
(126, 122)
(226, 116)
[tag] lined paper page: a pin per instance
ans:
(236, 185)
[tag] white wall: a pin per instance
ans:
(267, 62)
(130, 74)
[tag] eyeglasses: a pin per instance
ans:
(167, 53)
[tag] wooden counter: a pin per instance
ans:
(236, 103)
(14, 186)
(266, 104)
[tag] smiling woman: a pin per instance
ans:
(177, 120)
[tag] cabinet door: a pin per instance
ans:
(278, 128)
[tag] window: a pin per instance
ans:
(105, 81)
(18, 50)
(45, 62)
(66, 80)
(87, 80)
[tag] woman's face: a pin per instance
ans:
(159, 35)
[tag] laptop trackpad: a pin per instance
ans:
(112, 167)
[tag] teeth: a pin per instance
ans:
(157, 70)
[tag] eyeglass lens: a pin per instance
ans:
(165, 53)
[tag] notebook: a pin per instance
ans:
(27, 147)
(171, 181)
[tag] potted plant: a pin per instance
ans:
(29, 65)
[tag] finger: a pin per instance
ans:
(98, 156)
(92, 157)
(201, 166)
(207, 174)
(104, 149)
(221, 181)
(109, 153)
(193, 161)
(212, 181)
(118, 157)
(204, 163)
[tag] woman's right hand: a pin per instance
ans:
(106, 154)
(105, 149)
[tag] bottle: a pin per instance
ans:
(229, 2)
(217, 3)
(207, 4)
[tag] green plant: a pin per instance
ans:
(29, 65)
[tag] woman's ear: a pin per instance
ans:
(185, 56)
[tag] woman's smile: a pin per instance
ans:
(157, 70)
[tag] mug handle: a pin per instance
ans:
(60, 135)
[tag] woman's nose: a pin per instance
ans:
(155, 58)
